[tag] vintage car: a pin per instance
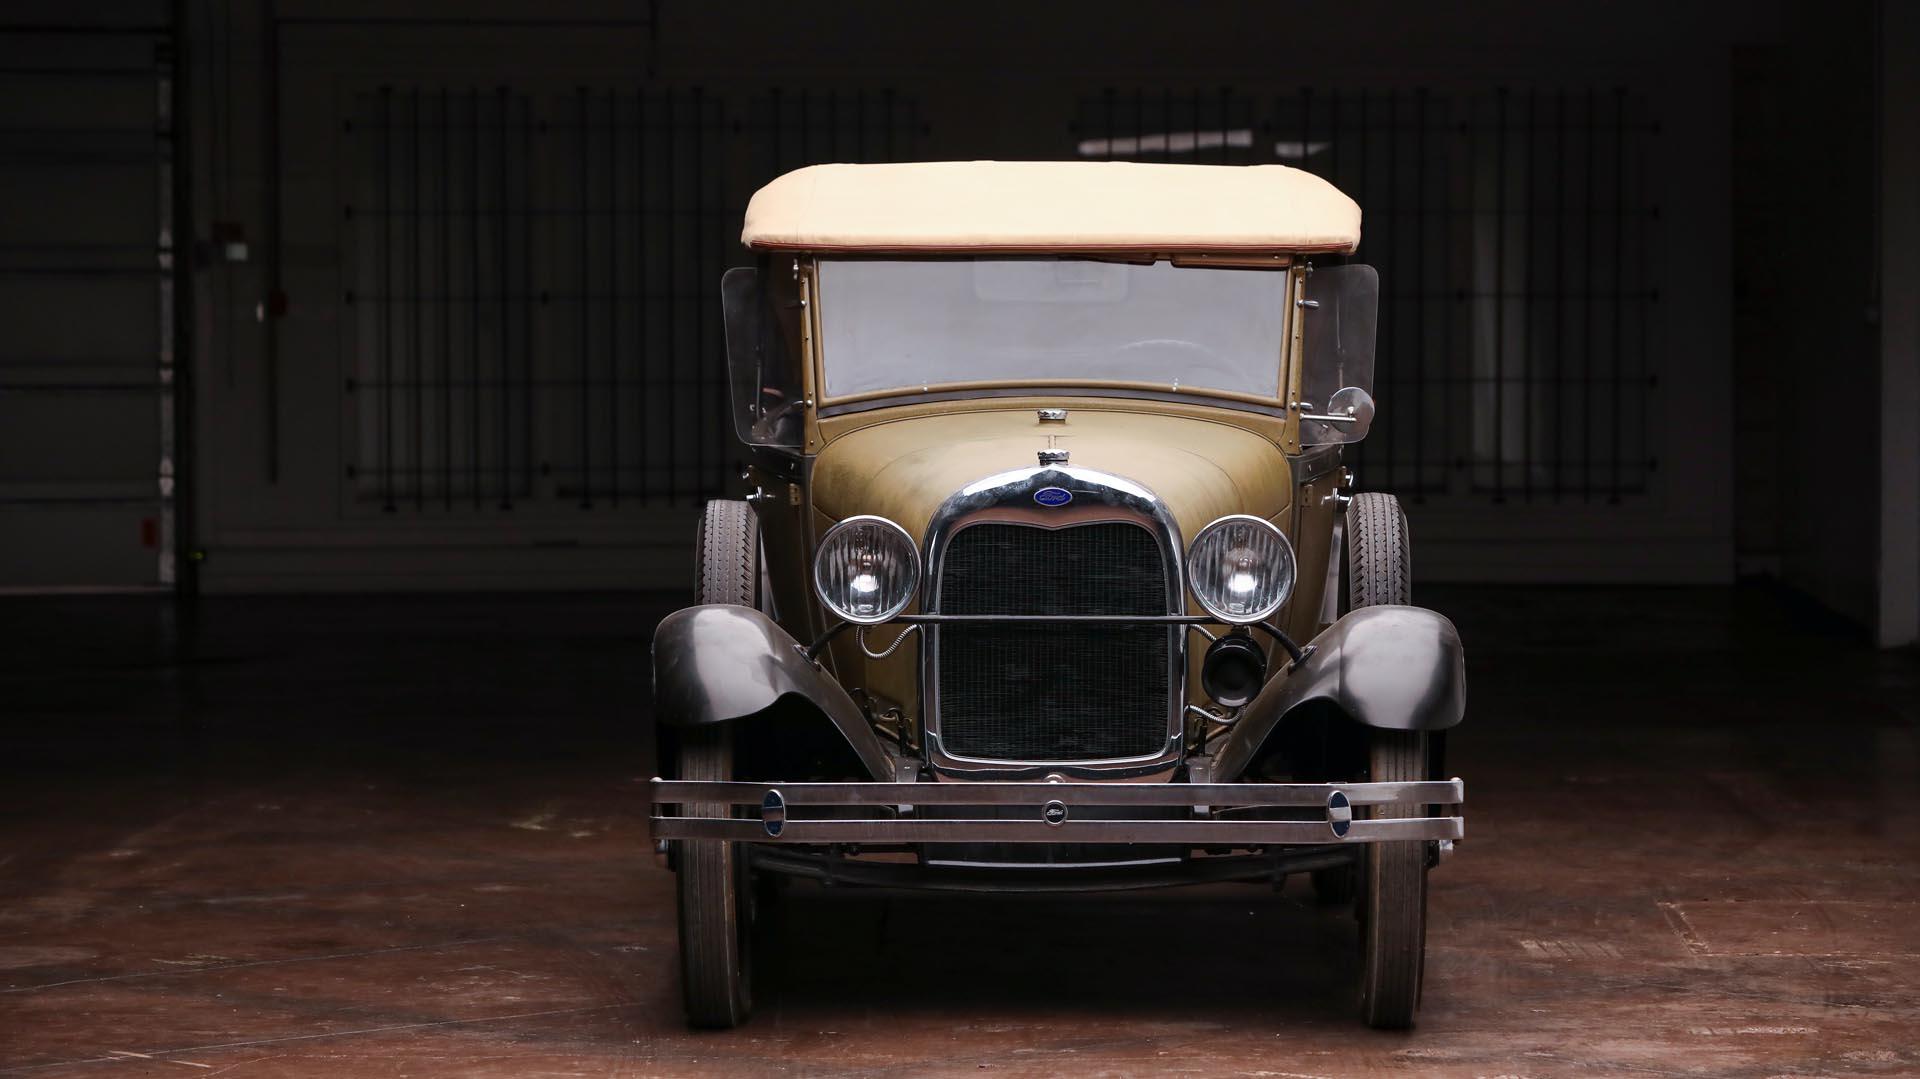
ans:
(1046, 576)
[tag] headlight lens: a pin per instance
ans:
(866, 569)
(1241, 569)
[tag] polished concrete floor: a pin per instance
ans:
(341, 837)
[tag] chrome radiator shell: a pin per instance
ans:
(1008, 498)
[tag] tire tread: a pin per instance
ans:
(713, 889)
(1379, 554)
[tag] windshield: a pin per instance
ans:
(908, 325)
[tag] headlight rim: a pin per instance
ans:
(821, 548)
(1293, 564)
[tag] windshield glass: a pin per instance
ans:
(908, 325)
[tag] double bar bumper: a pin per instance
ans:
(868, 812)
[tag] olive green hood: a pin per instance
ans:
(904, 469)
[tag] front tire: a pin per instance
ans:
(1393, 894)
(1377, 568)
(715, 882)
(715, 893)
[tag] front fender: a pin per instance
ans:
(719, 663)
(1392, 667)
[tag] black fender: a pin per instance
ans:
(1391, 667)
(719, 662)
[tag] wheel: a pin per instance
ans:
(715, 883)
(1379, 566)
(1393, 894)
(725, 545)
(715, 892)
(1377, 569)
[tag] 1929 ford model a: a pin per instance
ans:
(1046, 577)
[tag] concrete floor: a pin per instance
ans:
(406, 837)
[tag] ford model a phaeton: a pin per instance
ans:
(1046, 577)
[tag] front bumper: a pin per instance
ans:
(1217, 813)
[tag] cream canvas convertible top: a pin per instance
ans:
(1034, 206)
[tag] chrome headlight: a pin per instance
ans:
(1241, 569)
(866, 570)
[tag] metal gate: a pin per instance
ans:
(87, 388)
(533, 284)
(1515, 237)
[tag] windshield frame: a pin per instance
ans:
(1276, 404)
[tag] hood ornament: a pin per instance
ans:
(1053, 457)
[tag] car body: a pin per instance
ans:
(1046, 576)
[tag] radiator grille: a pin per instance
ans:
(1053, 692)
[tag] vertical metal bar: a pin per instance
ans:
(1455, 217)
(276, 262)
(385, 380)
(1166, 123)
(1226, 121)
(527, 294)
(1527, 294)
(178, 557)
(1619, 280)
(715, 254)
(886, 102)
(1193, 123)
(704, 443)
(1559, 284)
(775, 122)
(1586, 319)
(417, 314)
(1139, 123)
(715, 257)
(613, 295)
(1106, 96)
(1423, 290)
(643, 381)
(1643, 378)
(1334, 137)
(584, 381)
(1500, 297)
(167, 313)
(670, 216)
(1306, 127)
(505, 280)
(473, 294)
(1360, 189)
(1394, 311)
(446, 298)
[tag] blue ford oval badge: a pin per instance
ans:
(1053, 496)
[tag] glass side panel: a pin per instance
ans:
(766, 395)
(1336, 377)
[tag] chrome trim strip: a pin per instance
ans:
(1196, 397)
(1200, 833)
(1007, 498)
(1216, 795)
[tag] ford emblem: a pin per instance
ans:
(1053, 496)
